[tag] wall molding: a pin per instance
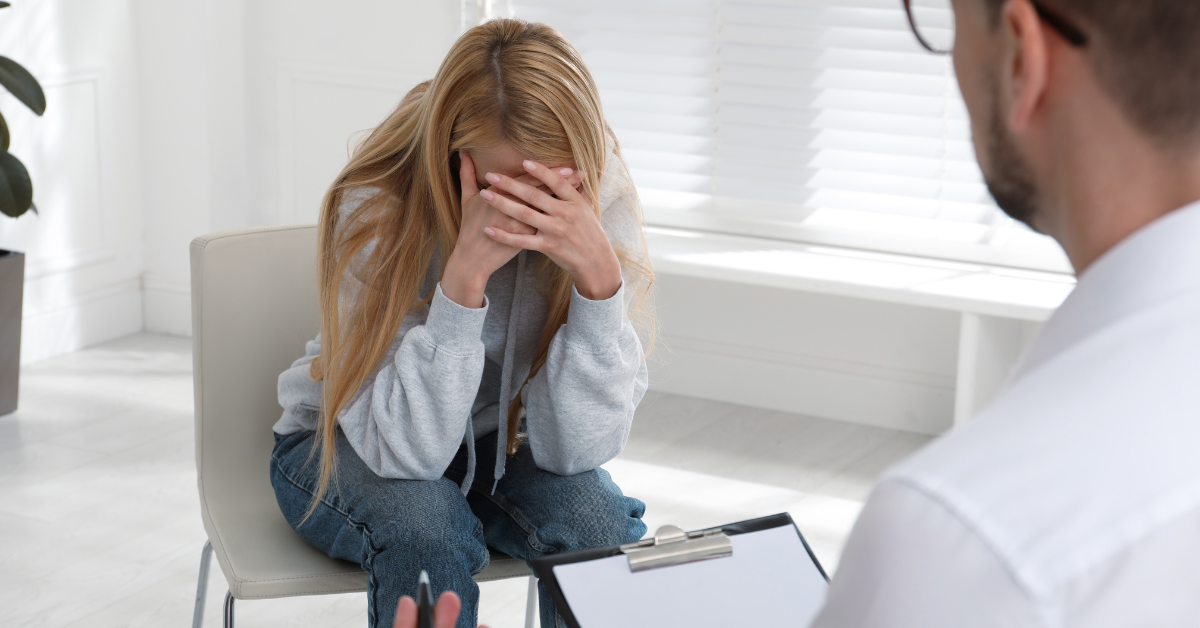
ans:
(791, 382)
(83, 321)
(290, 74)
(802, 361)
(39, 267)
(167, 306)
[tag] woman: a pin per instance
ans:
(477, 362)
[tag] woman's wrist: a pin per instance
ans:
(601, 281)
(461, 286)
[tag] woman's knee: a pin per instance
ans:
(428, 518)
(592, 512)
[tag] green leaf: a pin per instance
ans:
(8, 204)
(16, 190)
(21, 83)
(3, 133)
(4, 5)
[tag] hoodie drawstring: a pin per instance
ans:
(469, 440)
(510, 345)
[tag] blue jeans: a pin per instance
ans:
(396, 528)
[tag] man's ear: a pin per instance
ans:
(1027, 62)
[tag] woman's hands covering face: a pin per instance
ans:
(476, 256)
(567, 229)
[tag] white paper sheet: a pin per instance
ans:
(769, 581)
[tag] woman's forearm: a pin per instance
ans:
(580, 406)
(412, 417)
(464, 283)
(601, 277)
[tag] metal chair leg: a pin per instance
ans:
(531, 603)
(229, 609)
(202, 585)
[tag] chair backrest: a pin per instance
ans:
(254, 305)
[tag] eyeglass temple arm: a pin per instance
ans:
(1068, 30)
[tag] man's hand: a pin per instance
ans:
(444, 614)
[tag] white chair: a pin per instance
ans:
(254, 305)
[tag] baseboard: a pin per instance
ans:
(830, 389)
(89, 319)
(167, 307)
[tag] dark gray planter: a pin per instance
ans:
(12, 285)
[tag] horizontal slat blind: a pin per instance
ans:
(655, 65)
(816, 120)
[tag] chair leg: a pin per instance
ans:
(229, 609)
(531, 603)
(202, 585)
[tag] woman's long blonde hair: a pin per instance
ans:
(503, 82)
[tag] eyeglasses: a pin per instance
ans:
(935, 28)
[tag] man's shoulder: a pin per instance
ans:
(1081, 457)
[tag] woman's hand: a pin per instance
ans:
(476, 256)
(568, 229)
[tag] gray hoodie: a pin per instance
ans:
(452, 371)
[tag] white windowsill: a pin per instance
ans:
(959, 286)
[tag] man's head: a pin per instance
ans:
(1041, 103)
(1146, 54)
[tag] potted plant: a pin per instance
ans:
(16, 198)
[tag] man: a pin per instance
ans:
(1074, 500)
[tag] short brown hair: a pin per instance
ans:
(1147, 56)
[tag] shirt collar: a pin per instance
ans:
(1154, 264)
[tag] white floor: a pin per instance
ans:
(100, 524)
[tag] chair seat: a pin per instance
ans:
(268, 559)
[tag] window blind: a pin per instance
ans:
(813, 120)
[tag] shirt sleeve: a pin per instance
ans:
(912, 563)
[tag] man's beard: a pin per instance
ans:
(1010, 180)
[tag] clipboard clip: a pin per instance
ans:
(672, 546)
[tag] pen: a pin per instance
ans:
(424, 602)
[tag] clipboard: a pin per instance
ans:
(756, 572)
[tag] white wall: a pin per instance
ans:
(829, 356)
(168, 119)
(85, 249)
(261, 98)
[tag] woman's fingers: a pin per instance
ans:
(512, 225)
(553, 180)
(573, 179)
(515, 210)
(532, 196)
(466, 174)
(516, 226)
(517, 241)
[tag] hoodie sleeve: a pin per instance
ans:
(579, 407)
(408, 418)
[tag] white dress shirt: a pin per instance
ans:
(1074, 499)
